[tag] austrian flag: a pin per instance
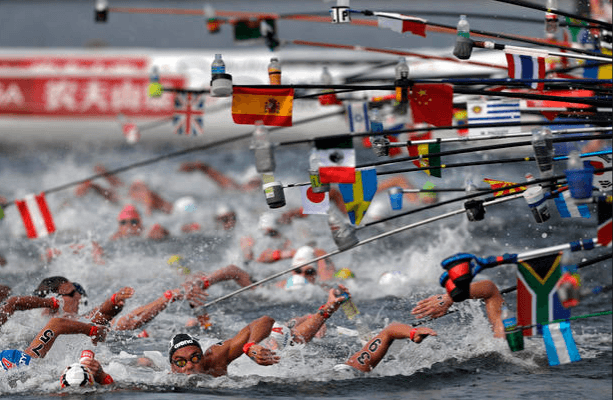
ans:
(401, 23)
(37, 218)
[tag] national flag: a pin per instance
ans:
(37, 218)
(460, 117)
(496, 184)
(423, 151)
(273, 106)
(574, 30)
(314, 203)
(551, 108)
(559, 343)
(357, 116)
(188, 116)
(1, 212)
(357, 196)
(602, 71)
(521, 66)
(493, 112)
(336, 159)
(602, 180)
(605, 227)
(537, 298)
(432, 103)
(401, 23)
(568, 208)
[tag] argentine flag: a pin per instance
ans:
(559, 343)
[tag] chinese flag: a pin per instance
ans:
(432, 103)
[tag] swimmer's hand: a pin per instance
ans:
(262, 355)
(433, 307)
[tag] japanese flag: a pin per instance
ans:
(37, 218)
(314, 203)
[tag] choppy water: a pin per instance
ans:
(464, 361)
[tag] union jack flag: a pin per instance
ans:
(188, 118)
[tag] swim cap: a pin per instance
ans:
(179, 341)
(185, 204)
(76, 375)
(303, 254)
(128, 212)
(223, 209)
(393, 278)
(267, 221)
(79, 288)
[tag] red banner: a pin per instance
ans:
(49, 64)
(85, 96)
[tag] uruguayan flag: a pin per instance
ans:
(568, 208)
(493, 112)
(559, 343)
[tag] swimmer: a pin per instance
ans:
(437, 305)
(87, 371)
(187, 356)
(45, 339)
(130, 225)
(372, 353)
(276, 246)
(323, 270)
(253, 181)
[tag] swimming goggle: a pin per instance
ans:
(194, 358)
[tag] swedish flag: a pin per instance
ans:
(357, 196)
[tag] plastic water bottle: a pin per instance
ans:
(543, 150)
(402, 69)
(218, 66)
(316, 185)
(515, 337)
(86, 354)
(274, 71)
(551, 19)
(326, 76)
(264, 156)
(463, 27)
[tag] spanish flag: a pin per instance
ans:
(273, 106)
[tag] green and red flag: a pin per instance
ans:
(537, 299)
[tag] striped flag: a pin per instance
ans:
(488, 112)
(568, 208)
(495, 184)
(273, 106)
(401, 23)
(537, 298)
(37, 218)
(314, 203)
(527, 67)
(188, 115)
(422, 151)
(559, 343)
(336, 160)
(357, 116)
(357, 196)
